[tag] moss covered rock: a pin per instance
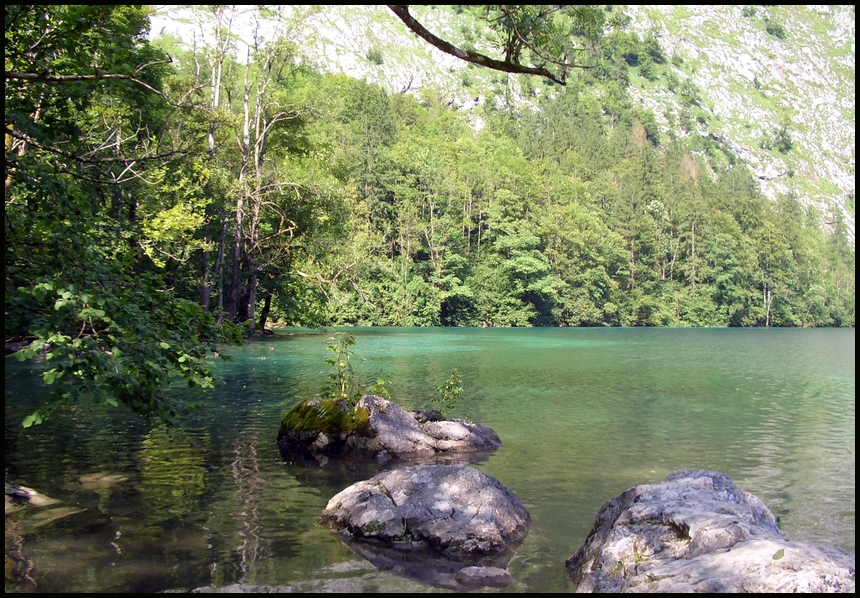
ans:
(375, 428)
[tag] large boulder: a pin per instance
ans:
(448, 525)
(384, 431)
(696, 531)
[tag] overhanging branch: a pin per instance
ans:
(402, 12)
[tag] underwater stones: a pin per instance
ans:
(432, 521)
(484, 576)
(696, 531)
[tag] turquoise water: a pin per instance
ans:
(583, 414)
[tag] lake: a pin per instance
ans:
(583, 414)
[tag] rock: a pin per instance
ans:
(97, 481)
(431, 522)
(391, 432)
(21, 495)
(697, 532)
(430, 415)
(457, 510)
(15, 346)
(484, 576)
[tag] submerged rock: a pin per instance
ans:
(377, 429)
(697, 532)
(21, 495)
(484, 576)
(447, 525)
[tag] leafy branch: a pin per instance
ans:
(449, 391)
(343, 385)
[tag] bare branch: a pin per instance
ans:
(97, 76)
(83, 160)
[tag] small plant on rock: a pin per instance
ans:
(334, 409)
(449, 391)
(343, 385)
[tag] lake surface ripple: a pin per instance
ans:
(583, 414)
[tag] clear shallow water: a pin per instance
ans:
(583, 414)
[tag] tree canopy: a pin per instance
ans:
(163, 199)
(90, 136)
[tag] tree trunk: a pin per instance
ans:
(233, 304)
(251, 305)
(219, 270)
(206, 284)
(264, 313)
(240, 200)
(768, 301)
(693, 260)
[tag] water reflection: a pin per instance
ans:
(582, 414)
(414, 562)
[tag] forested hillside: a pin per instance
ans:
(570, 205)
(157, 192)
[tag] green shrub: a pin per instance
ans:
(335, 410)
(775, 29)
(449, 391)
(374, 56)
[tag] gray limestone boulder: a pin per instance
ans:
(398, 433)
(697, 532)
(450, 526)
(457, 510)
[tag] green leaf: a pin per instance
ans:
(163, 345)
(24, 354)
(779, 554)
(30, 420)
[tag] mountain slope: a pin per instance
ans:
(774, 85)
(758, 68)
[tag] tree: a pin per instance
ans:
(89, 129)
(543, 40)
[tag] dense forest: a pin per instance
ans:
(161, 199)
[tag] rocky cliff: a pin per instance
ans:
(758, 73)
